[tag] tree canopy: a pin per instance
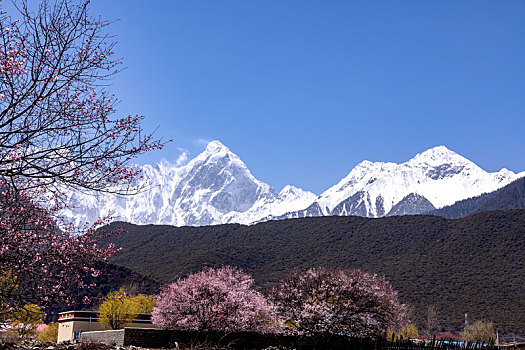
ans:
(339, 301)
(479, 332)
(57, 134)
(25, 320)
(214, 299)
(120, 309)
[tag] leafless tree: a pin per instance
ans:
(431, 321)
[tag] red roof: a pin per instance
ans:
(447, 336)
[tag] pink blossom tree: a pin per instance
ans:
(214, 299)
(337, 301)
(57, 134)
(39, 263)
(55, 110)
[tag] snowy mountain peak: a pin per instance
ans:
(505, 174)
(289, 193)
(216, 147)
(365, 164)
(438, 155)
(441, 149)
(218, 164)
(289, 189)
(216, 150)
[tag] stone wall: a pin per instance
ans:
(113, 337)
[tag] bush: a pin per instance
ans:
(25, 320)
(409, 331)
(479, 332)
(50, 334)
(120, 309)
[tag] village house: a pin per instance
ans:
(72, 323)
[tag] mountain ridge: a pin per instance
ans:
(216, 187)
(511, 196)
(438, 174)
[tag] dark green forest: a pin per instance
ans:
(474, 264)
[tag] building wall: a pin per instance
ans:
(86, 321)
(66, 330)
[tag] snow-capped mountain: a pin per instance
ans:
(432, 179)
(216, 187)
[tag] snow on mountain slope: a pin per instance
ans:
(439, 175)
(290, 198)
(215, 187)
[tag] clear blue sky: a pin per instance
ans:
(304, 90)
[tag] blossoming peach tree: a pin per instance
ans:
(214, 299)
(57, 134)
(337, 301)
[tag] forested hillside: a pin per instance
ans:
(474, 264)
